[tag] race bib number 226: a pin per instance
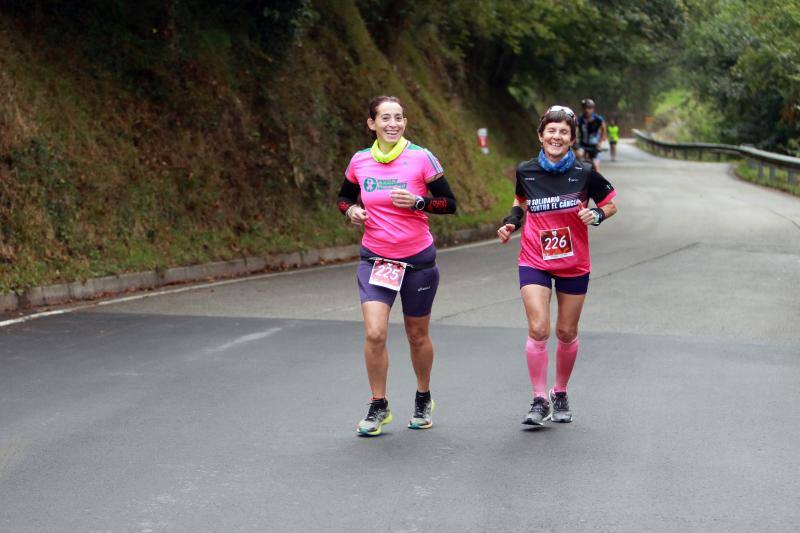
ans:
(556, 243)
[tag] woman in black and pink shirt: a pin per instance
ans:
(554, 190)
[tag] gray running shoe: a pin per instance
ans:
(540, 412)
(377, 416)
(561, 412)
(423, 407)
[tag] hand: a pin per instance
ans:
(357, 215)
(587, 217)
(504, 233)
(402, 198)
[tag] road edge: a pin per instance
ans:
(101, 287)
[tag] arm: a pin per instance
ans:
(347, 202)
(442, 201)
(515, 218)
(588, 217)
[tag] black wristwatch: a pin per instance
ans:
(419, 205)
(599, 216)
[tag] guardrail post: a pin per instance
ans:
(760, 169)
(792, 177)
(719, 156)
(771, 172)
(686, 154)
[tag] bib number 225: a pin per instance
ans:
(387, 274)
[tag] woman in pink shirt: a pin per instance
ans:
(552, 196)
(397, 183)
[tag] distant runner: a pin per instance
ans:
(613, 137)
(398, 182)
(591, 134)
(554, 190)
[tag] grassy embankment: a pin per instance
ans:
(117, 159)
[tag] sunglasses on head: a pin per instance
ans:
(566, 110)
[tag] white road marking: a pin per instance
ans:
(244, 339)
(199, 286)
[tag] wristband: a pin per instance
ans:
(515, 218)
(599, 216)
(347, 213)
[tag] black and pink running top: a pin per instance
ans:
(553, 237)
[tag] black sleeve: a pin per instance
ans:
(519, 192)
(599, 188)
(442, 200)
(348, 195)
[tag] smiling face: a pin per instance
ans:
(389, 124)
(556, 139)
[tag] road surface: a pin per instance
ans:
(233, 407)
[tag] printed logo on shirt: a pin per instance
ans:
(553, 203)
(372, 184)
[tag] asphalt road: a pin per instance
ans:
(233, 408)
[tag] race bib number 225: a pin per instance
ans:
(387, 274)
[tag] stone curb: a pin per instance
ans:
(97, 287)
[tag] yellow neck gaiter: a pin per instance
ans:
(393, 154)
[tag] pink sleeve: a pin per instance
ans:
(350, 172)
(432, 169)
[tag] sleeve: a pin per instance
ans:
(442, 201)
(349, 172)
(432, 169)
(519, 192)
(599, 189)
(348, 195)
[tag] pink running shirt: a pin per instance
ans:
(389, 231)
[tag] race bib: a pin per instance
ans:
(387, 274)
(556, 243)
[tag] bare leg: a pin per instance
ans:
(421, 347)
(376, 356)
(569, 313)
(536, 299)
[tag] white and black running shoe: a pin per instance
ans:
(377, 416)
(561, 412)
(423, 408)
(540, 412)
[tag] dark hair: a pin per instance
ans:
(559, 116)
(376, 102)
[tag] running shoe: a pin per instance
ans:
(561, 412)
(540, 412)
(423, 407)
(377, 416)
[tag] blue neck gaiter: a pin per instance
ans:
(557, 168)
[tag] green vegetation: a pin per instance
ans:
(680, 116)
(139, 135)
(781, 179)
(737, 75)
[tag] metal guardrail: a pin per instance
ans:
(773, 164)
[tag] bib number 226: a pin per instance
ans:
(387, 274)
(556, 243)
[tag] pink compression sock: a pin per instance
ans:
(536, 354)
(566, 353)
